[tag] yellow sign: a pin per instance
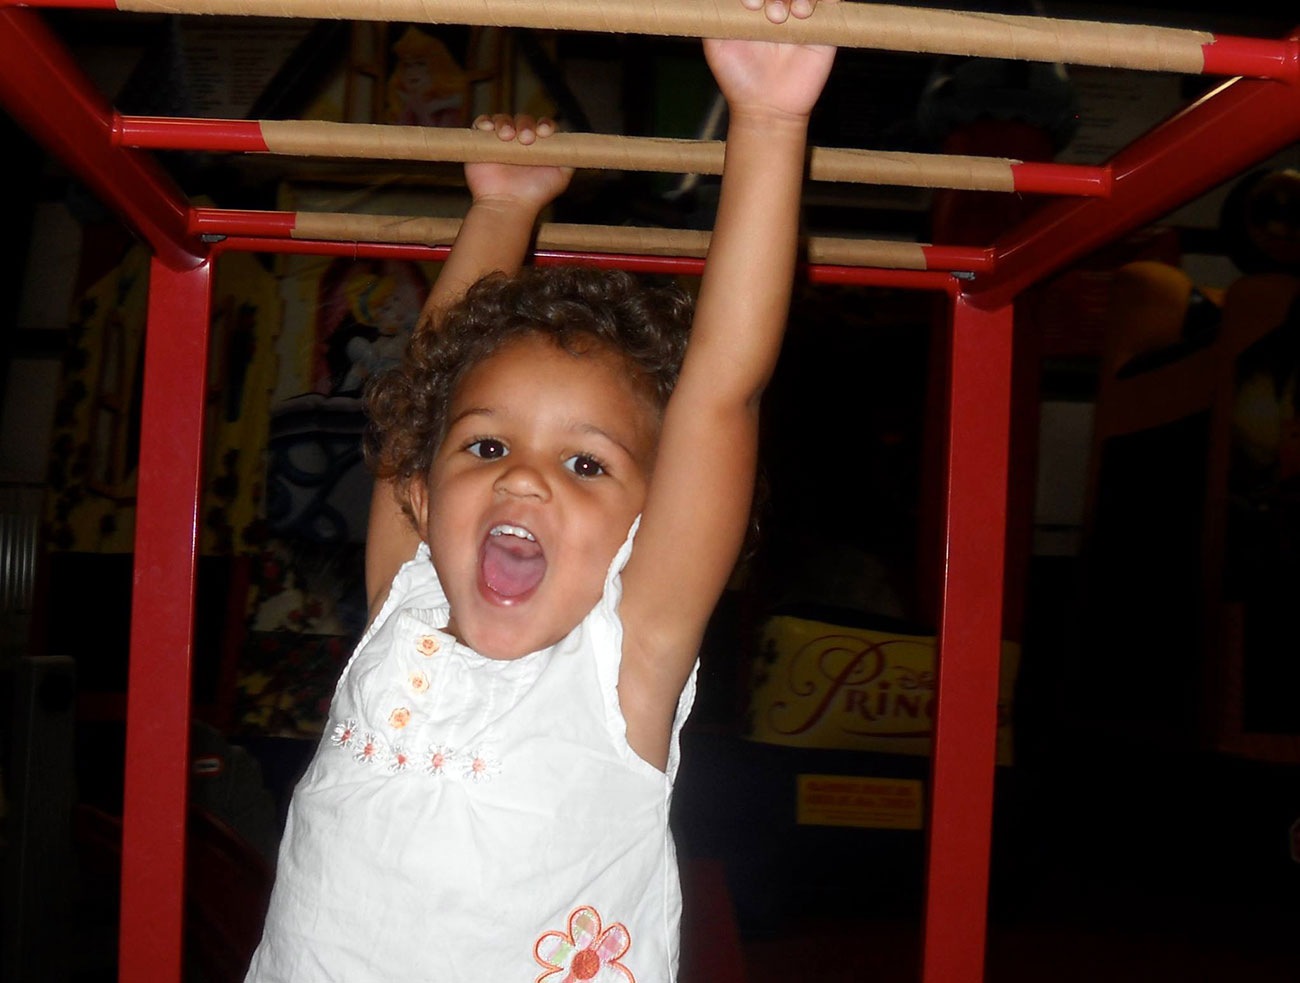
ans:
(874, 803)
(827, 686)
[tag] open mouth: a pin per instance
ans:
(511, 562)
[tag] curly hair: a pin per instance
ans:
(580, 310)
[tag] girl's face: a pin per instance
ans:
(417, 75)
(545, 464)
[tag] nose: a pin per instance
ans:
(522, 480)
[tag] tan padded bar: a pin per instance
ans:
(343, 227)
(337, 227)
(598, 150)
(852, 25)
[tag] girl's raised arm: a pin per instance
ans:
(697, 507)
(505, 202)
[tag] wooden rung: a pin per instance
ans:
(597, 238)
(611, 152)
(551, 236)
(861, 25)
(596, 150)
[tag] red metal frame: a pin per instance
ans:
(51, 97)
(1240, 122)
(162, 623)
(970, 643)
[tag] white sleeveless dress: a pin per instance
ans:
(470, 820)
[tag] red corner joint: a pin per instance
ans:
(1254, 58)
(1054, 179)
(170, 133)
(233, 221)
(967, 259)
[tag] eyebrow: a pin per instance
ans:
(591, 428)
(472, 411)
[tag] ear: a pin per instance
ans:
(416, 492)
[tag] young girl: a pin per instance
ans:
(491, 800)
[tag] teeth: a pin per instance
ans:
(506, 530)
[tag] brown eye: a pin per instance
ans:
(487, 448)
(585, 466)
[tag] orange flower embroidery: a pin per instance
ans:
(399, 718)
(584, 952)
(426, 645)
(419, 681)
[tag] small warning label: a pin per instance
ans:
(872, 803)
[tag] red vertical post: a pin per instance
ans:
(162, 624)
(970, 635)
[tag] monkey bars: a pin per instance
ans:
(424, 143)
(850, 25)
(1242, 121)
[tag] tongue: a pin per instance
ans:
(512, 566)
